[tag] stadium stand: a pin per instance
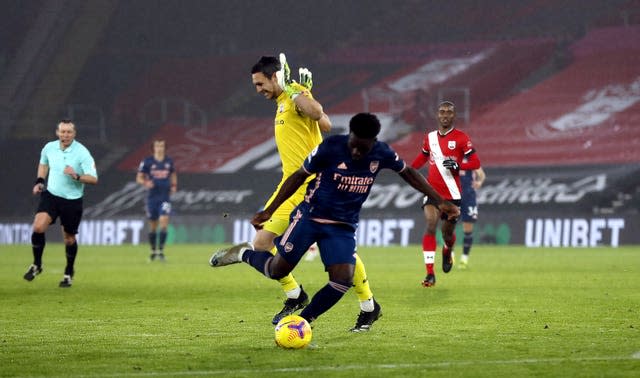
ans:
(178, 90)
(179, 67)
(16, 19)
(586, 114)
(209, 149)
(487, 71)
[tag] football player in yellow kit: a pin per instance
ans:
(298, 124)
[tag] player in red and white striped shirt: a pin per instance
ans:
(444, 150)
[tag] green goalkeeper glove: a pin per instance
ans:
(306, 78)
(284, 78)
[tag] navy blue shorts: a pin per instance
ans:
(469, 208)
(157, 208)
(337, 242)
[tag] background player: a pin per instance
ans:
(470, 182)
(158, 175)
(346, 167)
(298, 124)
(444, 149)
(66, 166)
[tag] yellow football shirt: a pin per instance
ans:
(296, 136)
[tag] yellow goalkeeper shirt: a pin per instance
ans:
(296, 136)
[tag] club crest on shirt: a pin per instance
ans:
(451, 144)
(288, 247)
(373, 166)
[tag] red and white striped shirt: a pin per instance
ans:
(436, 148)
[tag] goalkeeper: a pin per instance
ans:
(298, 124)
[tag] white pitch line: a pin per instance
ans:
(262, 372)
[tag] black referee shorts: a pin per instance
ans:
(69, 211)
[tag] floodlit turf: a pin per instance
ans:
(516, 312)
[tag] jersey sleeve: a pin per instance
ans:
(425, 144)
(466, 144)
(397, 164)
(142, 167)
(88, 165)
(419, 160)
(44, 160)
(317, 159)
(392, 160)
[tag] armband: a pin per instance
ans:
(39, 180)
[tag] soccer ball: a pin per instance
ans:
(293, 332)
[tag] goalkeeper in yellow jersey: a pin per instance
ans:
(298, 124)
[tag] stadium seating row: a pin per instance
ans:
(538, 126)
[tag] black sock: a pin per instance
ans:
(163, 239)
(467, 241)
(324, 299)
(70, 251)
(152, 240)
(37, 245)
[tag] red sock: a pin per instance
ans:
(429, 251)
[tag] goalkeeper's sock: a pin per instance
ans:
(367, 305)
(429, 251)
(361, 282)
(289, 284)
(293, 293)
(467, 242)
(324, 299)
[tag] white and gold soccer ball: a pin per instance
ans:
(293, 332)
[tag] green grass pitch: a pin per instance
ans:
(516, 312)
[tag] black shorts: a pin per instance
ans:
(69, 211)
(428, 201)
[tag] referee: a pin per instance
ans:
(65, 167)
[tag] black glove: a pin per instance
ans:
(451, 165)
